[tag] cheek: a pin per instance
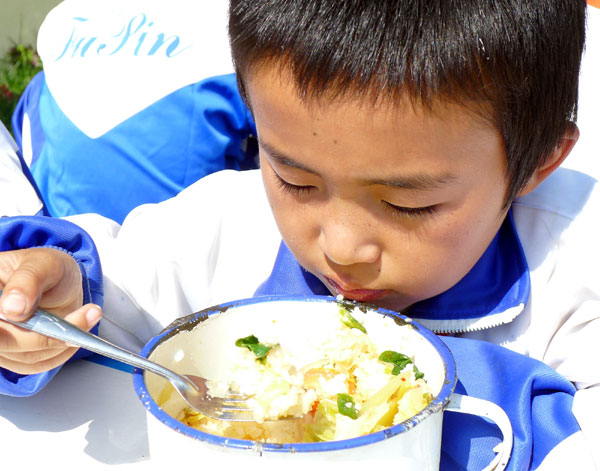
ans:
(477, 216)
(431, 255)
(456, 245)
(449, 245)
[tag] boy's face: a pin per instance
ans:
(384, 205)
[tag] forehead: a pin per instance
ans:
(275, 83)
(379, 127)
(270, 76)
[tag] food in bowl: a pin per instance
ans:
(351, 389)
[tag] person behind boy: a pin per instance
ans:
(409, 152)
(136, 101)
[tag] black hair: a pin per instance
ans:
(517, 61)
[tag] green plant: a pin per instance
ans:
(18, 66)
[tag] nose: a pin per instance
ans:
(347, 242)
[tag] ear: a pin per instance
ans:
(554, 160)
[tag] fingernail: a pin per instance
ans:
(14, 305)
(93, 315)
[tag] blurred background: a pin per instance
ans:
(20, 21)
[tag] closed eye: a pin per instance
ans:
(299, 190)
(410, 212)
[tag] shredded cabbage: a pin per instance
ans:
(354, 390)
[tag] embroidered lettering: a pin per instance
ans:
(136, 37)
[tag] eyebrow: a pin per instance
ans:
(284, 159)
(419, 181)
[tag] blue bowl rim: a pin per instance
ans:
(436, 405)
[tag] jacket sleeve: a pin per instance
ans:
(22, 232)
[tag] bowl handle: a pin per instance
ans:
(489, 410)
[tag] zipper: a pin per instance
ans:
(460, 326)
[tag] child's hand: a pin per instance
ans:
(50, 279)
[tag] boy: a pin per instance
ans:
(409, 154)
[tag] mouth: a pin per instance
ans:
(357, 294)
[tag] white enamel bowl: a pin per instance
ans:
(203, 342)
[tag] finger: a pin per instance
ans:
(17, 340)
(85, 317)
(42, 364)
(47, 353)
(35, 356)
(28, 274)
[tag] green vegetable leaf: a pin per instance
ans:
(251, 343)
(350, 321)
(418, 374)
(399, 360)
(347, 406)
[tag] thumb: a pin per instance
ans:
(13, 305)
(46, 276)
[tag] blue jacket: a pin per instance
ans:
(192, 132)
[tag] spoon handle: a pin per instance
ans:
(50, 325)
